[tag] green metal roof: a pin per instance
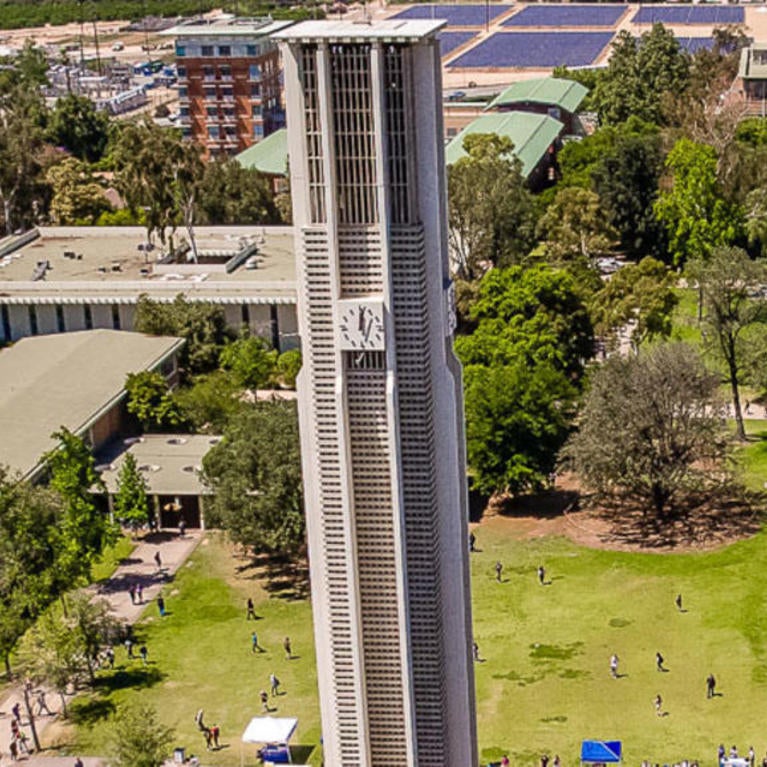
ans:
(531, 135)
(270, 155)
(565, 94)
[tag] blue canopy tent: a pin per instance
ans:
(601, 751)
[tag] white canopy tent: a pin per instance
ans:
(270, 731)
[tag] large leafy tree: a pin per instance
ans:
(150, 400)
(521, 364)
(251, 360)
(83, 530)
(77, 197)
(640, 296)
(694, 210)
(203, 326)
(651, 431)
(139, 739)
(640, 73)
(79, 127)
(231, 194)
(729, 281)
(626, 179)
(27, 555)
(490, 212)
(255, 473)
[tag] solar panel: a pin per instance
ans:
(536, 49)
(694, 44)
(567, 16)
(690, 14)
(456, 15)
(449, 41)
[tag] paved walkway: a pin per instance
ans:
(139, 568)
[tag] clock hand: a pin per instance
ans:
(361, 319)
(368, 329)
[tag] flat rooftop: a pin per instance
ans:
(235, 262)
(226, 27)
(389, 29)
(66, 379)
(170, 463)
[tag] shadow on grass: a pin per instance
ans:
(125, 678)
(282, 576)
(87, 712)
(544, 505)
(301, 754)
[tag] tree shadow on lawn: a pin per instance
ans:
(544, 505)
(282, 576)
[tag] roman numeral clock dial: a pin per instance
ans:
(361, 326)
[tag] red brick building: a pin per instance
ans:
(228, 82)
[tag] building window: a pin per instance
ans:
(229, 112)
(251, 50)
(254, 72)
(225, 71)
(183, 92)
(258, 130)
(227, 92)
(207, 50)
(180, 50)
(88, 314)
(186, 132)
(246, 311)
(6, 318)
(115, 316)
(210, 93)
(211, 111)
(256, 110)
(181, 71)
(183, 111)
(32, 311)
(213, 131)
(61, 326)
(255, 90)
(224, 50)
(209, 73)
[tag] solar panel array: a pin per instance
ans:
(694, 44)
(567, 16)
(690, 14)
(535, 49)
(456, 15)
(449, 41)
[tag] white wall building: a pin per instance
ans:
(380, 400)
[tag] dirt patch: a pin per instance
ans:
(564, 511)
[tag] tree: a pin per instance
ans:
(517, 419)
(28, 514)
(534, 315)
(83, 530)
(490, 213)
(251, 360)
(79, 127)
(202, 325)
(694, 211)
(640, 294)
(576, 225)
(640, 73)
(93, 623)
(77, 197)
(288, 367)
(522, 364)
(138, 739)
(651, 431)
(255, 473)
(150, 400)
(626, 179)
(231, 194)
(130, 503)
(209, 402)
(728, 279)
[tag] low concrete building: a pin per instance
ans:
(752, 75)
(171, 466)
(75, 380)
(60, 279)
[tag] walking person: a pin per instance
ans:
(678, 603)
(720, 753)
(144, 653)
(659, 662)
(251, 610)
(158, 560)
(132, 592)
(129, 646)
(110, 654)
(265, 701)
(498, 571)
(475, 651)
(751, 756)
(16, 711)
(614, 666)
(711, 689)
(254, 646)
(78, 762)
(274, 684)
(181, 528)
(42, 704)
(658, 705)
(139, 594)
(472, 542)
(541, 575)
(288, 649)
(161, 605)
(215, 734)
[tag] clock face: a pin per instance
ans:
(361, 325)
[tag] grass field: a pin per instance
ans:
(544, 682)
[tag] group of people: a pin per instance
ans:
(722, 754)
(211, 734)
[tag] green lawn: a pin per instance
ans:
(201, 658)
(544, 683)
(110, 559)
